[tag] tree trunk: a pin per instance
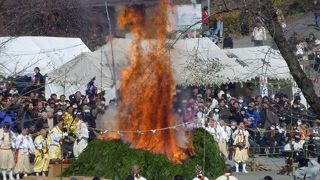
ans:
(304, 83)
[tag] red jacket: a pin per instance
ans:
(205, 17)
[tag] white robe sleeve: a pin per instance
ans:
(31, 145)
(84, 133)
(18, 141)
(247, 139)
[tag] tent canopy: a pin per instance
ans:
(238, 64)
(20, 55)
(260, 61)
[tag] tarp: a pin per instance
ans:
(20, 55)
(260, 61)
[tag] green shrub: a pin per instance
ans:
(114, 159)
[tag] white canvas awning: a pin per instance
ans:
(238, 65)
(20, 55)
(260, 62)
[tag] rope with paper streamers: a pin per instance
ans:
(153, 131)
(195, 125)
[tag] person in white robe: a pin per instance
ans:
(24, 147)
(241, 143)
(7, 139)
(82, 135)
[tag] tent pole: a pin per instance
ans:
(101, 72)
(111, 46)
(64, 83)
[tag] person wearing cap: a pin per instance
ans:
(41, 162)
(55, 138)
(24, 147)
(199, 173)
(82, 136)
(241, 147)
(227, 174)
(7, 163)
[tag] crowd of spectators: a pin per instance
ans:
(275, 123)
(29, 116)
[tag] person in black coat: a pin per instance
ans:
(227, 42)
(38, 81)
(244, 22)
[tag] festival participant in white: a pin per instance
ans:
(241, 143)
(24, 146)
(7, 139)
(41, 162)
(82, 134)
(200, 175)
(224, 132)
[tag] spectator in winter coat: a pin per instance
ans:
(253, 114)
(259, 35)
(38, 80)
(316, 11)
(205, 17)
(244, 22)
(272, 140)
(227, 42)
(268, 117)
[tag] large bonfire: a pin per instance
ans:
(147, 87)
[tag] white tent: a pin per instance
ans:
(238, 64)
(20, 55)
(74, 75)
(260, 61)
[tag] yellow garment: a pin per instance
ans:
(55, 152)
(69, 123)
(55, 149)
(41, 161)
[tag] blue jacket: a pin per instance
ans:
(255, 116)
(8, 118)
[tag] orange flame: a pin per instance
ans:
(147, 87)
